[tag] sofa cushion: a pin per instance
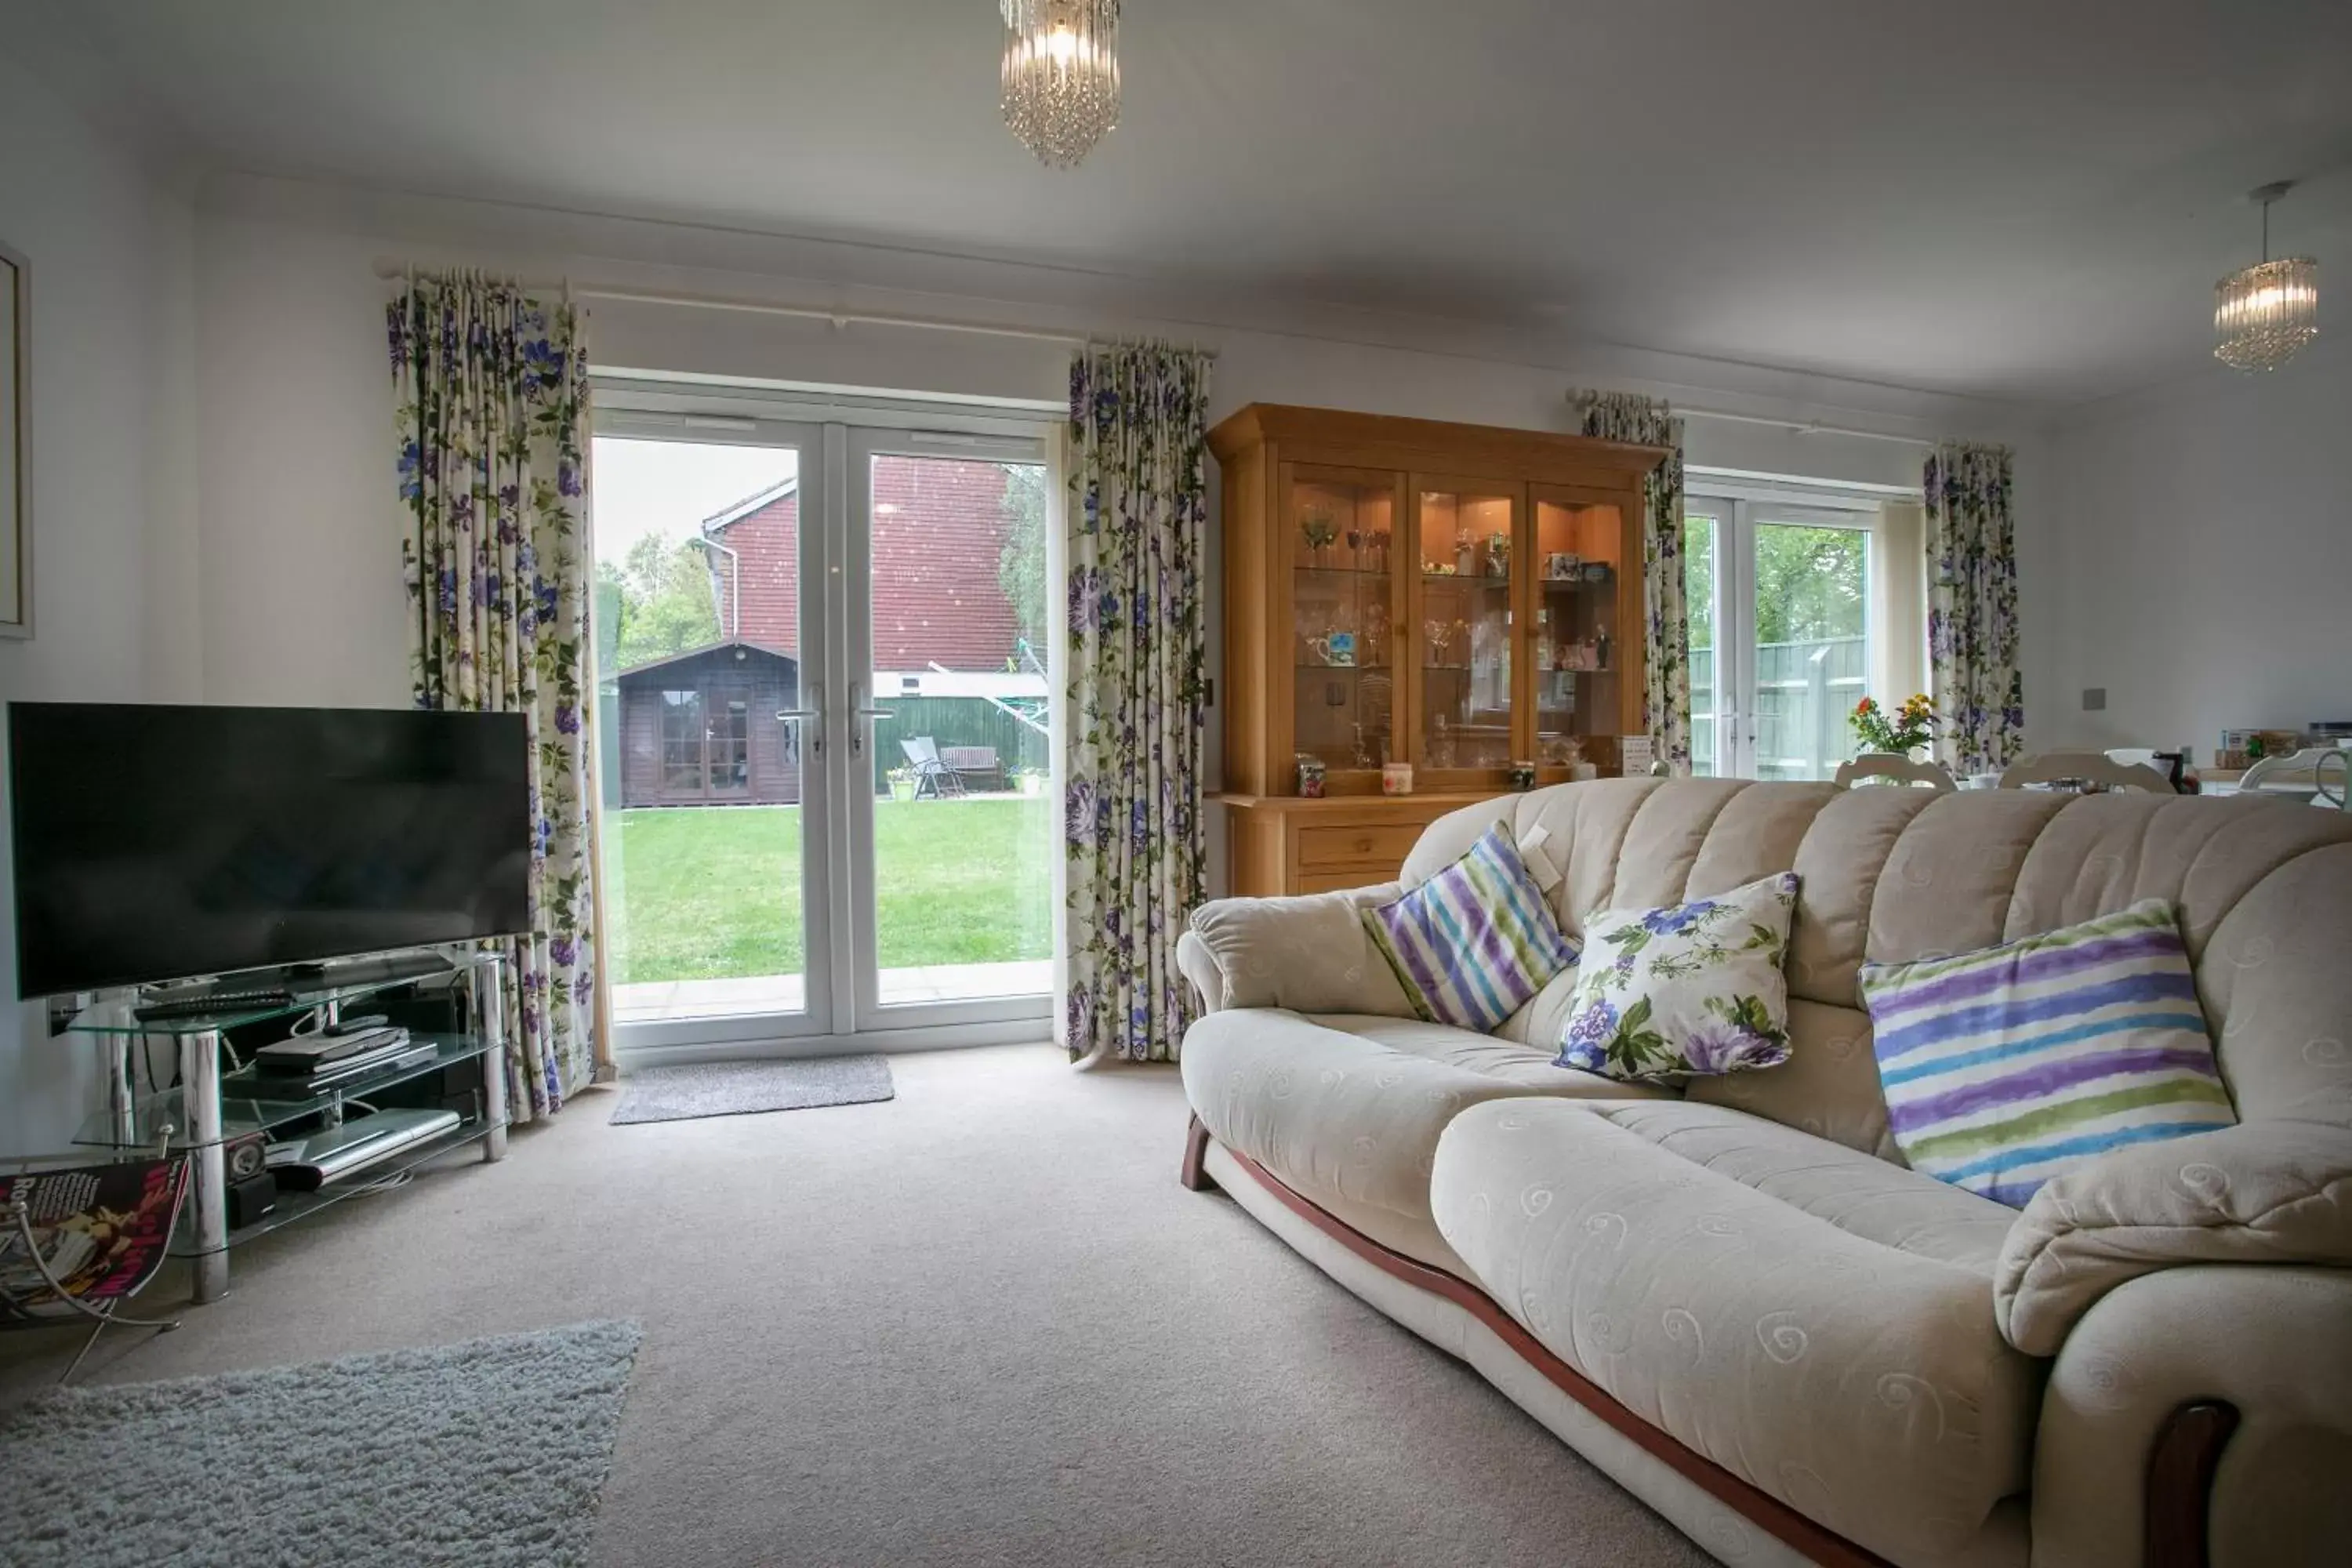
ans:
(2005, 1068)
(1823, 1331)
(1689, 990)
(1475, 941)
(1350, 1117)
(1857, 1192)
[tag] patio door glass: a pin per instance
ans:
(950, 819)
(825, 716)
(1782, 641)
(714, 808)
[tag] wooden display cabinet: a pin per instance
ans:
(1455, 596)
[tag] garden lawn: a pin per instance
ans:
(714, 893)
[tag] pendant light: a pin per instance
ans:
(2264, 314)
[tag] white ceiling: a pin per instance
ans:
(2014, 198)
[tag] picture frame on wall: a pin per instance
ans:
(16, 446)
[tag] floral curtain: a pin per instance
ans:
(1665, 666)
(492, 393)
(1972, 609)
(1137, 689)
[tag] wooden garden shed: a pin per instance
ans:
(705, 728)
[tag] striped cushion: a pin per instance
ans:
(1475, 941)
(2004, 1068)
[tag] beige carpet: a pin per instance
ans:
(980, 1324)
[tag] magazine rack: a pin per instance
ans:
(77, 1241)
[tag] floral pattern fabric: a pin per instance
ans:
(1972, 610)
(492, 392)
(1665, 664)
(1693, 990)
(1137, 687)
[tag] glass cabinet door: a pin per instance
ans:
(1342, 544)
(1580, 582)
(1467, 541)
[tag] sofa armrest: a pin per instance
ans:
(1198, 966)
(2270, 1343)
(1308, 955)
(2264, 1191)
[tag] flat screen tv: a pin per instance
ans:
(158, 842)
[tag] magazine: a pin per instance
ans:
(103, 1230)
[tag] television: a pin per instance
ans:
(156, 843)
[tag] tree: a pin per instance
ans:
(1810, 582)
(1699, 580)
(1021, 565)
(659, 600)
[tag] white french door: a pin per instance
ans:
(1780, 596)
(948, 692)
(823, 700)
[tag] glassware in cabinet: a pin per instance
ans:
(1342, 532)
(1579, 622)
(1466, 543)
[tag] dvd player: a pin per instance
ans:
(306, 1164)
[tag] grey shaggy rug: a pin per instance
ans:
(738, 1088)
(488, 1452)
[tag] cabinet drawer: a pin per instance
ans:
(1381, 845)
(1339, 881)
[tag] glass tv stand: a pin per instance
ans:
(208, 1108)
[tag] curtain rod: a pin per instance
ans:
(765, 308)
(1800, 427)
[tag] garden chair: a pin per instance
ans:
(931, 775)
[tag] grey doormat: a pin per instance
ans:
(490, 1452)
(737, 1089)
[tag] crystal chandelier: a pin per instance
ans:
(1060, 75)
(2264, 313)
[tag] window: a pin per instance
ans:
(1797, 610)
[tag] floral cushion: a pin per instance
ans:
(1474, 941)
(1692, 990)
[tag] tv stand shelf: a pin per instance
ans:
(208, 1108)
(299, 1205)
(252, 1102)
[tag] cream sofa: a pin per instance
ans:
(1737, 1299)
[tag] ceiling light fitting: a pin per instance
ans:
(2263, 315)
(1060, 76)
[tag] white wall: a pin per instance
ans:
(2204, 575)
(297, 398)
(114, 490)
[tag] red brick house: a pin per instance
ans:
(939, 532)
(703, 726)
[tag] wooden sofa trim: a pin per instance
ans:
(2180, 1493)
(1823, 1545)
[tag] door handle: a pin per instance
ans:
(815, 719)
(858, 709)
